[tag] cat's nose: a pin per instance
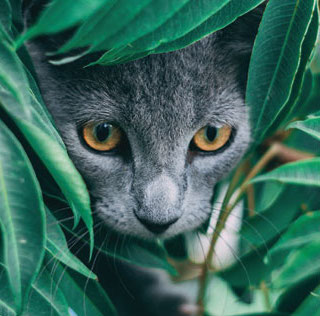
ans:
(158, 203)
(157, 228)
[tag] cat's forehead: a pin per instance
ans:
(177, 89)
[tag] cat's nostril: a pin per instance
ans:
(156, 228)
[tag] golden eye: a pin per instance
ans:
(102, 136)
(211, 138)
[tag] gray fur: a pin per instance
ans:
(160, 102)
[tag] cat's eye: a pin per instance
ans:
(102, 136)
(210, 138)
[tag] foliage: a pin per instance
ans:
(280, 255)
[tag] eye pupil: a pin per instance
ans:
(102, 132)
(211, 133)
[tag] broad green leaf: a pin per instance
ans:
(32, 120)
(6, 297)
(21, 215)
(304, 172)
(6, 310)
(290, 109)
(93, 31)
(148, 19)
(294, 296)
(132, 250)
(249, 270)
(84, 296)
(310, 126)
(5, 15)
(311, 102)
(265, 314)
(311, 305)
(275, 60)
(259, 229)
(58, 248)
(302, 232)
(178, 25)
(51, 21)
(46, 298)
(225, 16)
(300, 264)
(270, 192)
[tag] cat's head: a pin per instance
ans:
(177, 123)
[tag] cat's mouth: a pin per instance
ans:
(129, 223)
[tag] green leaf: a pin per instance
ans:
(304, 172)
(58, 248)
(6, 297)
(249, 270)
(46, 298)
(177, 25)
(24, 108)
(5, 15)
(310, 306)
(300, 264)
(267, 225)
(270, 192)
(51, 21)
(93, 31)
(302, 232)
(275, 60)
(295, 295)
(290, 109)
(310, 126)
(21, 216)
(265, 314)
(225, 16)
(85, 296)
(132, 250)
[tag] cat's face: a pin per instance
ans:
(156, 184)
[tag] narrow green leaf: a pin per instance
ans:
(21, 216)
(132, 250)
(299, 265)
(275, 60)
(5, 15)
(293, 297)
(311, 305)
(112, 18)
(269, 193)
(225, 16)
(6, 310)
(249, 270)
(46, 298)
(302, 232)
(58, 248)
(50, 20)
(178, 25)
(304, 172)
(6, 297)
(259, 229)
(290, 109)
(310, 126)
(85, 296)
(24, 109)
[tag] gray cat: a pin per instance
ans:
(152, 137)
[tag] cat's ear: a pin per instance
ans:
(240, 35)
(31, 10)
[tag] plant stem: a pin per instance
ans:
(251, 200)
(266, 296)
(224, 214)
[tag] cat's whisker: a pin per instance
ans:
(236, 257)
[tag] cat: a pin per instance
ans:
(152, 137)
